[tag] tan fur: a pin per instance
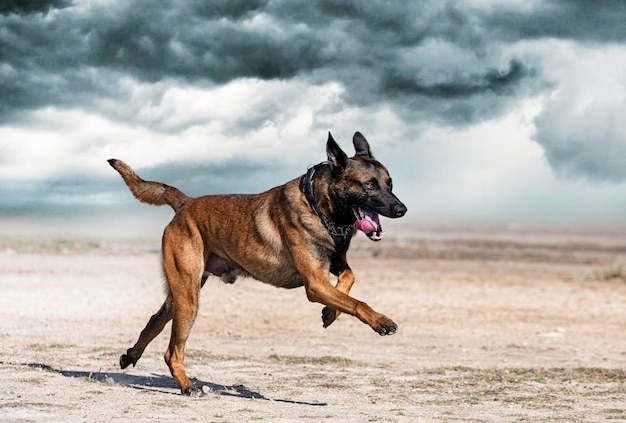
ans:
(154, 193)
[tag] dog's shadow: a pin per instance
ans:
(163, 384)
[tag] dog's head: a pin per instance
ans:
(361, 187)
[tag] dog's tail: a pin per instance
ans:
(154, 193)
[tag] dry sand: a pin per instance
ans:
(494, 326)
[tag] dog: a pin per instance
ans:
(290, 236)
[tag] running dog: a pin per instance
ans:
(290, 236)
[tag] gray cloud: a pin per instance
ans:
(443, 62)
(493, 81)
(23, 7)
(147, 42)
(588, 143)
(74, 58)
(580, 20)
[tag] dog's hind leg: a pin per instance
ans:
(183, 264)
(344, 284)
(153, 328)
(155, 325)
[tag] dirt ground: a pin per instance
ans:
(494, 326)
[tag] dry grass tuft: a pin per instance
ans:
(613, 272)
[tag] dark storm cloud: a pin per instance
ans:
(444, 62)
(493, 80)
(194, 43)
(463, 99)
(73, 57)
(22, 7)
(582, 20)
(62, 58)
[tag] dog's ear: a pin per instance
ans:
(361, 145)
(336, 157)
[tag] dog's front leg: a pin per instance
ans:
(344, 284)
(320, 290)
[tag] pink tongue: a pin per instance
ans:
(365, 225)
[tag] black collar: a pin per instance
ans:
(338, 232)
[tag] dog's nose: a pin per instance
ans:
(399, 209)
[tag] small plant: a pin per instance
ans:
(460, 368)
(62, 345)
(399, 411)
(297, 359)
(33, 380)
(614, 272)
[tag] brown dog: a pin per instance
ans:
(290, 236)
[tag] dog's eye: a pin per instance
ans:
(369, 185)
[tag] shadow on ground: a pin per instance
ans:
(158, 383)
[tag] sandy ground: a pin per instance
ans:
(494, 326)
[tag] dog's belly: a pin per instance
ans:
(293, 283)
(280, 276)
(228, 271)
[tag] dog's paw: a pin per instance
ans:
(127, 359)
(386, 327)
(195, 392)
(192, 391)
(329, 315)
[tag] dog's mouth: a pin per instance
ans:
(368, 222)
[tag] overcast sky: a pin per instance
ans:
(507, 110)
